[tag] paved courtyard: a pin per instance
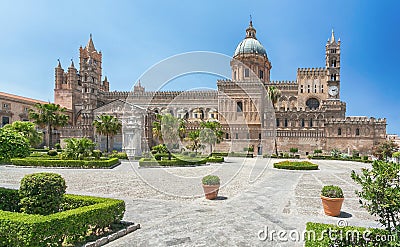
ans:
(169, 205)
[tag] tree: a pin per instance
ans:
(194, 138)
(273, 94)
(50, 116)
(107, 125)
(380, 193)
(211, 133)
(78, 148)
(157, 129)
(12, 145)
(318, 151)
(293, 150)
(396, 155)
(385, 149)
(27, 130)
(169, 129)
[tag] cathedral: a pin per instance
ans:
(308, 114)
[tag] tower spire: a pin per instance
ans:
(90, 45)
(72, 63)
(332, 36)
(59, 63)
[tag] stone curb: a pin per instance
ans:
(105, 240)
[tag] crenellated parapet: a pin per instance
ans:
(312, 71)
(358, 120)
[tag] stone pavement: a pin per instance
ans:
(277, 200)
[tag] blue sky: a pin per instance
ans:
(134, 35)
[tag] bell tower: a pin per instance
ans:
(332, 63)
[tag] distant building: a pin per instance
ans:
(15, 108)
(309, 113)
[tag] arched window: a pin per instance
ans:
(339, 132)
(261, 74)
(286, 122)
(311, 123)
(234, 75)
(312, 103)
(302, 122)
(226, 136)
(357, 132)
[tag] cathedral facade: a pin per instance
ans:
(308, 114)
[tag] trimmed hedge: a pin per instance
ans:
(9, 200)
(145, 162)
(66, 163)
(119, 155)
(363, 160)
(346, 236)
(296, 165)
(220, 154)
(215, 159)
(19, 229)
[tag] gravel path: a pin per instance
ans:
(169, 205)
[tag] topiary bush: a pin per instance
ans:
(52, 152)
(211, 180)
(12, 145)
(9, 200)
(332, 191)
(97, 154)
(41, 193)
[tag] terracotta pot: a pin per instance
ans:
(332, 206)
(211, 191)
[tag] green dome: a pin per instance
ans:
(250, 46)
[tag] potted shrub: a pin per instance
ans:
(211, 186)
(332, 200)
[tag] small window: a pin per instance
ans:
(301, 89)
(261, 74)
(333, 77)
(26, 109)
(339, 132)
(311, 123)
(236, 135)
(322, 88)
(333, 50)
(286, 122)
(246, 73)
(226, 136)
(302, 122)
(6, 106)
(308, 88)
(234, 75)
(239, 106)
(277, 122)
(259, 136)
(357, 132)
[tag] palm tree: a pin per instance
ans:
(211, 133)
(50, 116)
(107, 125)
(273, 94)
(194, 137)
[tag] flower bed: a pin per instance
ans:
(296, 165)
(82, 215)
(30, 161)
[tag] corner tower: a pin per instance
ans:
(253, 54)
